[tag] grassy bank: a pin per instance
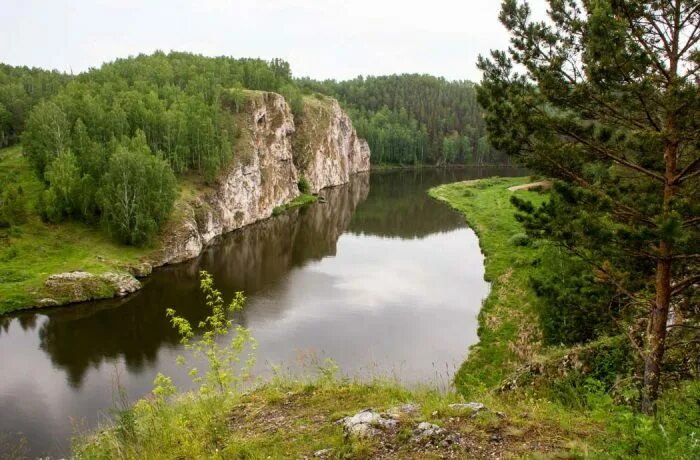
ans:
(33, 250)
(508, 331)
(288, 418)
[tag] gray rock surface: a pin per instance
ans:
(473, 406)
(80, 286)
(367, 424)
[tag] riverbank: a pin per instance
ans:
(48, 265)
(288, 418)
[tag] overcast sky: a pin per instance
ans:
(320, 38)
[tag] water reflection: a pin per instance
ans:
(249, 260)
(380, 277)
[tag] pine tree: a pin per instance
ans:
(603, 97)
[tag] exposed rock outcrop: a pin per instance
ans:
(261, 177)
(327, 149)
(270, 157)
(80, 286)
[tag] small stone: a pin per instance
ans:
(363, 430)
(428, 432)
(323, 453)
(496, 437)
(409, 408)
(47, 302)
(473, 406)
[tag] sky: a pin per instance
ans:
(320, 38)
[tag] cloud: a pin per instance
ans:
(320, 38)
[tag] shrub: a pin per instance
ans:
(12, 206)
(519, 239)
(294, 98)
(574, 307)
(304, 185)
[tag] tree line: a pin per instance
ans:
(174, 113)
(109, 143)
(21, 88)
(414, 119)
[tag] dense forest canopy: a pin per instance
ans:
(169, 113)
(21, 88)
(414, 119)
(175, 113)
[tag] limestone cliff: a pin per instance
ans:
(324, 147)
(261, 177)
(327, 149)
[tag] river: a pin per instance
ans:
(382, 279)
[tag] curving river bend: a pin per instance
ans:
(381, 278)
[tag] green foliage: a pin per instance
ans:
(294, 97)
(46, 136)
(300, 201)
(304, 186)
(12, 205)
(590, 98)
(519, 239)
(137, 193)
(575, 307)
(60, 199)
(225, 373)
(180, 105)
(671, 433)
(21, 88)
(410, 119)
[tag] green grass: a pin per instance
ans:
(509, 337)
(304, 199)
(293, 418)
(287, 418)
(33, 250)
(508, 331)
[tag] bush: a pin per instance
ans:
(519, 239)
(574, 307)
(304, 185)
(12, 206)
(294, 98)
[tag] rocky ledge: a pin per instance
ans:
(83, 286)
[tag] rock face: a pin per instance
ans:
(261, 177)
(327, 149)
(270, 157)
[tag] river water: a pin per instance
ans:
(382, 279)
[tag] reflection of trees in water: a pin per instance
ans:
(84, 335)
(399, 206)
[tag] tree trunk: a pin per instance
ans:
(656, 332)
